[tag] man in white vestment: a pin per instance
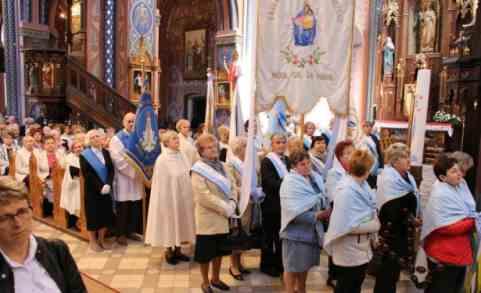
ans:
(186, 141)
(170, 221)
(127, 185)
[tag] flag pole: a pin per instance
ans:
(353, 27)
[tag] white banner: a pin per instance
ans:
(303, 53)
(420, 116)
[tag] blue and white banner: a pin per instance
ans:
(144, 146)
(301, 43)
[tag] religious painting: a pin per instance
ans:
(222, 117)
(224, 56)
(223, 93)
(195, 58)
(141, 82)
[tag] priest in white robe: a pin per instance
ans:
(127, 185)
(170, 221)
(70, 193)
(186, 142)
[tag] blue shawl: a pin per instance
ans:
(99, 168)
(123, 136)
(219, 180)
(298, 196)
(354, 205)
(334, 176)
(448, 205)
(391, 185)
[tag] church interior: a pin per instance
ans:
(88, 62)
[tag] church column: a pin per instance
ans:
(109, 42)
(14, 93)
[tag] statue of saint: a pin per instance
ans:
(388, 51)
(427, 26)
(233, 69)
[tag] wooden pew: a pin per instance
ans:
(11, 164)
(35, 188)
(59, 214)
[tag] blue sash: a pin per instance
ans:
(96, 164)
(123, 136)
(278, 164)
(219, 180)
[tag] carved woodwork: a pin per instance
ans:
(35, 188)
(89, 95)
(59, 214)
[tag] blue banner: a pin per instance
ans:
(144, 145)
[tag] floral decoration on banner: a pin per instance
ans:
(441, 116)
(302, 61)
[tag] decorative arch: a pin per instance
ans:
(54, 5)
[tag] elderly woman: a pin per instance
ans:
(398, 202)
(214, 195)
(340, 167)
(274, 167)
(186, 141)
(339, 170)
(309, 130)
(70, 193)
(449, 221)
(352, 225)
(303, 208)
(223, 134)
(171, 218)
(98, 173)
(318, 154)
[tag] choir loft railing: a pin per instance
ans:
(88, 94)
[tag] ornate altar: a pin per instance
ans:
(142, 76)
(445, 33)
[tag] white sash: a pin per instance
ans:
(278, 164)
(219, 180)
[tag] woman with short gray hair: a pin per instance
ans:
(465, 161)
(398, 203)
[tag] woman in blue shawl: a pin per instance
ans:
(397, 200)
(450, 221)
(352, 225)
(303, 210)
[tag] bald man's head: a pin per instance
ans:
(129, 121)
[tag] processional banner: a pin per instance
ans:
(144, 146)
(303, 53)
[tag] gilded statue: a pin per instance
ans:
(427, 26)
(391, 12)
(465, 7)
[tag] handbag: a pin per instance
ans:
(256, 232)
(237, 239)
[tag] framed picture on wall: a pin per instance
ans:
(223, 93)
(195, 54)
(224, 54)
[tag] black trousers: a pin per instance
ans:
(331, 269)
(271, 251)
(387, 275)
(349, 279)
(445, 278)
(372, 181)
(129, 217)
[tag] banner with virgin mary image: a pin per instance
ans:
(144, 145)
(303, 53)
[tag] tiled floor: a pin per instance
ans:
(139, 268)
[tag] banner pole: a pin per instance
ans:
(301, 125)
(353, 26)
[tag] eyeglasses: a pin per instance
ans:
(21, 213)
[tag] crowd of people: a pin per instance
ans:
(361, 207)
